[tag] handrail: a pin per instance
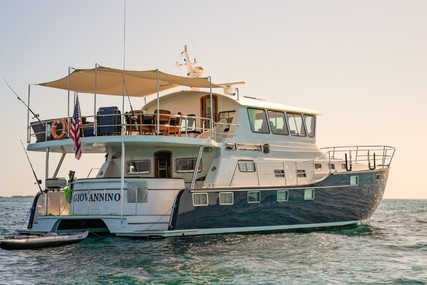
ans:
(188, 126)
(382, 153)
(361, 158)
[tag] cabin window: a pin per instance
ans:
(309, 194)
(258, 121)
(254, 196)
(228, 116)
(279, 173)
(332, 166)
(206, 111)
(296, 124)
(187, 165)
(138, 167)
(317, 166)
(301, 173)
(354, 180)
(282, 195)
(226, 198)
(200, 199)
(246, 166)
(278, 123)
(310, 124)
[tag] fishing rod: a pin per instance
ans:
(38, 181)
(36, 116)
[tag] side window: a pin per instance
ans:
(200, 199)
(310, 124)
(138, 167)
(296, 125)
(226, 198)
(246, 166)
(282, 195)
(258, 121)
(278, 123)
(309, 194)
(254, 197)
(228, 116)
(187, 165)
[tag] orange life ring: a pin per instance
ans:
(55, 135)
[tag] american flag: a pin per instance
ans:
(75, 128)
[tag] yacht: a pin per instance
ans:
(198, 158)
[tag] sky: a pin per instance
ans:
(362, 64)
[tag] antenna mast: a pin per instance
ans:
(192, 70)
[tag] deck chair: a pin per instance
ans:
(132, 121)
(146, 125)
(162, 121)
(175, 127)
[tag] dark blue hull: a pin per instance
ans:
(337, 200)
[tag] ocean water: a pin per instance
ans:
(391, 249)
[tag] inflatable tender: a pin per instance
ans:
(41, 241)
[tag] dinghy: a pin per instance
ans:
(41, 241)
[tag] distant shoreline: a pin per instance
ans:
(17, 197)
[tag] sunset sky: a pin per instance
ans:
(361, 64)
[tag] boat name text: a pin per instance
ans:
(96, 197)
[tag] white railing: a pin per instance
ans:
(337, 159)
(371, 155)
(127, 124)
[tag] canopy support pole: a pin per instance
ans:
(28, 116)
(158, 103)
(211, 106)
(95, 119)
(122, 160)
(46, 176)
(68, 101)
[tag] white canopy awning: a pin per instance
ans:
(109, 81)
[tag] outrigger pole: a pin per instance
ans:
(38, 181)
(36, 116)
